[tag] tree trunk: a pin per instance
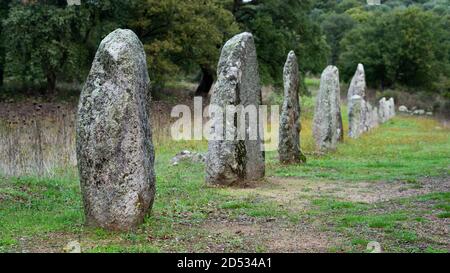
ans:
(205, 83)
(51, 83)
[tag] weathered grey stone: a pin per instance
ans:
(188, 156)
(391, 106)
(230, 161)
(383, 113)
(327, 122)
(289, 134)
(368, 116)
(386, 109)
(403, 109)
(355, 116)
(360, 112)
(375, 120)
(358, 84)
(114, 143)
(419, 112)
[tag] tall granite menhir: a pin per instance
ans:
(386, 109)
(289, 135)
(358, 84)
(114, 145)
(356, 116)
(231, 159)
(327, 122)
(358, 108)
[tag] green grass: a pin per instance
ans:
(50, 209)
(327, 204)
(373, 221)
(36, 205)
(402, 149)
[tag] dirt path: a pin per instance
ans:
(313, 233)
(313, 230)
(288, 190)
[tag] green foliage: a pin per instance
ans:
(48, 41)
(4, 10)
(335, 27)
(39, 43)
(189, 216)
(44, 41)
(181, 36)
(281, 26)
(403, 148)
(406, 46)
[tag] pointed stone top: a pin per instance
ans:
(291, 60)
(360, 68)
(119, 34)
(121, 44)
(236, 44)
(291, 75)
(292, 54)
(358, 83)
(244, 34)
(330, 72)
(331, 69)
(240, 47)
(360, 74)
(238, 38)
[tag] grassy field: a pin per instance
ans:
(391, 186)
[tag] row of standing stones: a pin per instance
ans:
(362, 115)
(114, 142)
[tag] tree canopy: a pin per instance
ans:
(408, 46)
(43, 42)
(182, 35)
(281, 26)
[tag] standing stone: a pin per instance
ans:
(386, 110)
(327, 122)
(355, 116)
(357, 106)
(114, 144)
(382, 113)
(289, 138)
(231, 160)
(403, 109)
(358, 84)
(368, 117)
(375, 121)
(391, 108)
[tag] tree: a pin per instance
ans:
(281, 26)
(47, 41)
(38, 42)
(406, 46)
(100, 17)
(4, 9)
(335, 26)
(345, 5)
(183, 36)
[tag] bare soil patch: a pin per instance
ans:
(273, 236)
(297, 192)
